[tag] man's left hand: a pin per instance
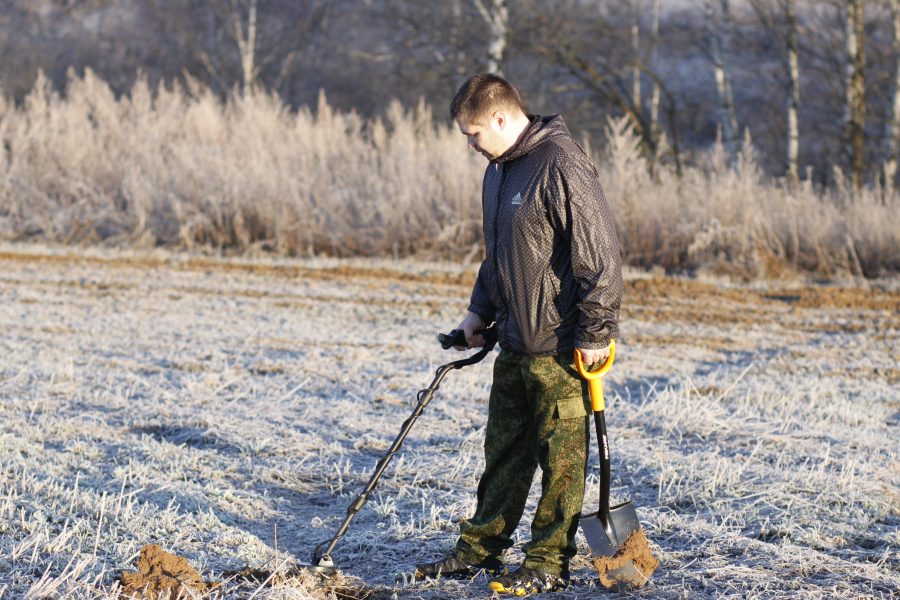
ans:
(590, 356)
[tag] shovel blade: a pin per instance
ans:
(623, 520)
(617, 571)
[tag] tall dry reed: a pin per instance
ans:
(179, 166)
(736, 221)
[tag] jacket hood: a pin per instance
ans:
(538, 131)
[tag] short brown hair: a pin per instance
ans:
(481, 95)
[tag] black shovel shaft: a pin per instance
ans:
(423, 398)
(603, 448)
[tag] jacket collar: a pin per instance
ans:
(539, 130)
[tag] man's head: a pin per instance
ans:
(489, 112)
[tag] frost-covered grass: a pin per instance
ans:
(211, 406)
(184, 168)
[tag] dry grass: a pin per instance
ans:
(734, 221)
(182, 168)
(151, 399)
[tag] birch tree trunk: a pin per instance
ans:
(726, 114)
(855, 109)
(457, 38)
(497, 19)
(654, 51)
(793, 101)
(636, 53)
(247, 45)
(892, 134)
(726, 48)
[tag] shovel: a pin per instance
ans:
(618, 545)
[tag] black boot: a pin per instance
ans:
(454, 567)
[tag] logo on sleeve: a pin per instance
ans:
(517, 199)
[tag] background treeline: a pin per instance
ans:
(286, 125)
(813, 81)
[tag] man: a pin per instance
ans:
(552, 282)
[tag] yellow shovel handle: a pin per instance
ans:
(594, 377)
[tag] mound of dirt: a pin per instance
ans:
(635, 550)
(163, 576)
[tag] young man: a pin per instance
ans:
(552, 282)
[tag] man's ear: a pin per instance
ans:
(499, 120)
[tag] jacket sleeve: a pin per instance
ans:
(580, 212)
(480, 303)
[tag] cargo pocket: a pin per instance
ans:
(570, 408)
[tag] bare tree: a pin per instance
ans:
(457, 40)
(636, 50)
(892, 126)
(497, 19)
(793, 102)
(243, 42)
(591, 54)
(779, 17)
(728, 116)
(246, 43)
(434, 47)
(654, 51)
(855, 107)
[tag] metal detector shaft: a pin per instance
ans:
(423, 398)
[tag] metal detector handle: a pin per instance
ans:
(598, 404)
(490, 340)
(457, 337)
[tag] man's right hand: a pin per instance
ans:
(470, 325)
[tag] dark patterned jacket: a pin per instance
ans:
(552, 279)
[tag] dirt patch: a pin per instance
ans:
(163, 576)
(645, 291)
(636, 551)
(642, 291)
(342, 272)
(835, 297)
(662, 299)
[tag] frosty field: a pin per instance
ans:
(229, 410)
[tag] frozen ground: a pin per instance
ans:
(211, 406)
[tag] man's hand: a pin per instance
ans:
(590, 356)
(470, 325)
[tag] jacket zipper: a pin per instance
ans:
(502, 167)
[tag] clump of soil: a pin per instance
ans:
(635, 550)
(163, 576)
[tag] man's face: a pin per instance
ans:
(485, 138)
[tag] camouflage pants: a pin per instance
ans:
(537, 416)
